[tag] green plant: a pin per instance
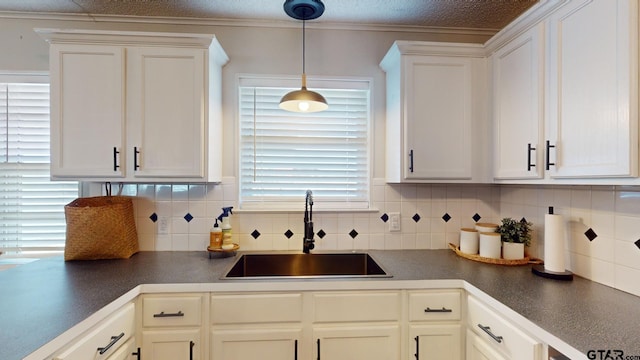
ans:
(515, 231)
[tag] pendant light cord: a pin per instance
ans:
(303, 46)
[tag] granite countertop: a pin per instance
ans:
(43, 299)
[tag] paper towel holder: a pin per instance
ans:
(541, 271)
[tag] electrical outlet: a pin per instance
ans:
(394, 221)
(163, 226)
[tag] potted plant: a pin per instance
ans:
(515, 236)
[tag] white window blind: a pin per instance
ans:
(31, 206)
(282, 154)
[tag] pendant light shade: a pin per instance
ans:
(303, 100)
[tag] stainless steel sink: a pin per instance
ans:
(315, 265)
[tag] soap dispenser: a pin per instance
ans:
(215, 236)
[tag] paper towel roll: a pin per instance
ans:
(554, 243)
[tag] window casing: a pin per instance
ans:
(284, 154)
(31, 206)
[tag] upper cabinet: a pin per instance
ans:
(129, 106)
(436, 114)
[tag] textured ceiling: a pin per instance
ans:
(474, 14)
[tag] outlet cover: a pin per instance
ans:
(163, 225)
(394, 221)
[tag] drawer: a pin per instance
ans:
(500, 333)
(125, 351)
(256, 308)
(354, 307)
(106, 337)
(434, 305)
(171, 310)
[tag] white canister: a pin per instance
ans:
(486, 227)
(469, 241)
(490, 245)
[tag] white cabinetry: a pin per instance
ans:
(498, 335)
(434, 325)
(593, 89)
(128, 106)
(104, 340)
(518, 107)
(436, 113)
(172, 327)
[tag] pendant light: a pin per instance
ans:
(303, 100)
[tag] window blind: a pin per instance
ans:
(31, 206)
(282, 154)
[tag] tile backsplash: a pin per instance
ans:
(602, 222)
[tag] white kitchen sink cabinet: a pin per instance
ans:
(172, 327)
(518, 107)
(129, 106)
(593, 89)
(436, 113)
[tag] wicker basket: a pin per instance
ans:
(101, 227)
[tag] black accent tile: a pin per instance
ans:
(476, 217)
(154, 217)
(416, 217)
(384, 217)
(255, 234)
(321, 234)
(637, 243)
(590, 234)
(446, 217)
(288, 234)
(188, 217)
(353, 233)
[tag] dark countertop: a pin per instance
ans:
(43, 299)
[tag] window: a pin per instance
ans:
(31, 206)
(283, 154)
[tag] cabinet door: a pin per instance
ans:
(478, 349)
(250, 344)
(518, 84)
(438, 118)
(593, 89)
(128, 351)
(87, 111)
(357, 343)
(436, 342)
(166, 112)
(171, 344)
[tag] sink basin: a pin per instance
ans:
(316, 265)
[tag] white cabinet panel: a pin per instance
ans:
(436, 342)
(250, 344)
(357, 342)
(176, 344)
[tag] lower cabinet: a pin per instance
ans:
(281, 344)
(479, 349)
(436, 342)
(357, 342)
(128, 351)
(174, 344)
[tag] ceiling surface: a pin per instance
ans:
(458, 14)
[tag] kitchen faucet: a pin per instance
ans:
(308, 242)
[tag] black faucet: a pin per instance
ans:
(308, 242)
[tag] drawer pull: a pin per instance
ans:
(191, 345)
(114, 340)
(295, 350)
(137, 354)
(529, 164)
(548, 162)
(487, 329)
(162, 314)
(443, 310)
(318, 343)
(417, 354)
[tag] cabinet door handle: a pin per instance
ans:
(114, 340)
(548, 156)
(318, 344)
(136, 164)
(529, 164)
(443, 310)
(162, 314)
(138, 354)
(115, 159)
(191, 345)
(411, 160)
(295, 349)
(487, 329)
(417, 354)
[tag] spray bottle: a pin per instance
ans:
(227, 243)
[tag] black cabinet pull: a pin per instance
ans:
(529, 164)
(162, 314)
(417, 338)
(548, 156)
(191, 345)
(137, 354)
(295, 350)
(487, 329)
(411, 160)
(114, 340)
(318, 342)
(115, 158)
(443, 310)
(136, 164)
